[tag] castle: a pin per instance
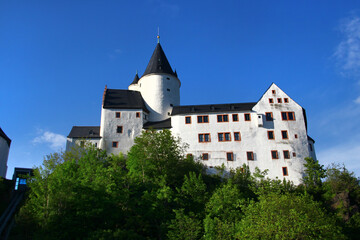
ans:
(268, 134)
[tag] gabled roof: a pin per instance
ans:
(123, 99)
(230, 107)
(136, 79)
(3, 135)
(158, 63)
(85, 132)
(158, 125)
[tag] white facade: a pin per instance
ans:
(4, 153)
(269, 134)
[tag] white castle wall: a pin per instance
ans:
(72, 142)
(132, 127)
(4, 153)
(159, 91)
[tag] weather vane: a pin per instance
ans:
(158, 36)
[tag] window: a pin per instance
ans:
(171, 105)
(284, 134)
(296, 136)
(229, 156)
(205, 156)
(203, 119)
(286, 154)
(223, 118)
(288, 116)
(95, 144)
(204, 137)
(273, 91)
(269, 116)
(247, 117)
(237, 136)
(285, 171)
(189, 155)
(279, 100)
(119, 129)
(274, 154)
(168, 78)
(271, 135)
(168, 89)
(137, 114)
(271, 100)
(311, 148)
(235, 117)
(294, 154)
(250, 155)
(114, 144)
(117, 114)
(286, 100)
(224, 137)
(188, 120)
(82, 143)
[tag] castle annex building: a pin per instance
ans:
(5, 142)
(269, 134)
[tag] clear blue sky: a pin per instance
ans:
(57, 56)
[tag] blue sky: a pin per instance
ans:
(57, 56)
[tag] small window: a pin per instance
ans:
(247, 117)
(168, 89)
(285, 171)
(117, 114)
(237, 136)
(296, 136)
(95, 144)
(273, 91)
(223, 118)
(288, 116)
(250, 155)
(138, 115)
(271, 100)
(269, 116)
(294, 154)
(119, 129)
(168, 78)
(171, 105)
(82, 143)
(224, 137)
(279, 100)
(311, 148)
(189, 155)
(188, 120)
(203, 119)
(286, 100)
(235, 117)
(205, 156)
(204, 137)
(286, 154)
(284, 134)
(229, 156)
(271, 135)
(274, 154)
(115, 144)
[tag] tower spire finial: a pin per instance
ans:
(158, 35)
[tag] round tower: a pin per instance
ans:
(159, 86)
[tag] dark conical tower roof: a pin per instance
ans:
(158, 63)
(136, 79)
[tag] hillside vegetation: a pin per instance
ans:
(158, 193)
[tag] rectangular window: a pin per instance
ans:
(115, 144)
(205, 156)
(296, 136)
(274, 154)
(119, 129)
(168, 89)
(286, 154)
(284, 134)
(224, 137)
(279, 100)
(117, 114)
(237, 136)
(188, 120)
(285, 171)
(271, 100)
(250, 155)
(294, 154)
(288, 116)
(223, 118)
(229, 156)
(271, 135)
(137, 114)
(269, 116)
(311, 148)
(235, 117)
(204, 137)
(247, 117)
(273, 91)
(189, 155)
(286, 100)
(203, 119)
